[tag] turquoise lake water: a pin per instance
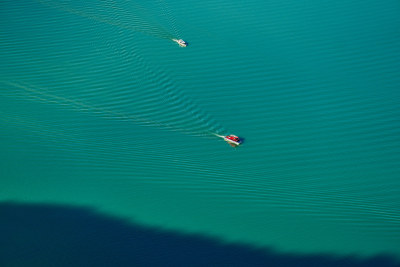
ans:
(100, 110)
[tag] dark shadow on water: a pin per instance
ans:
(51, 235)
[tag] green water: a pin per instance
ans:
(100, 109)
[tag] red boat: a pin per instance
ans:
(233, 139)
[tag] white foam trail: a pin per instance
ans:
(217, 135)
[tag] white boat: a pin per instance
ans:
(233, 139)
(180, 42)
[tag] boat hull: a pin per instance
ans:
(179, 43)
(232, 142)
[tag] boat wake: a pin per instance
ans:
(131, 90)
(32, 93)
(130, 16)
